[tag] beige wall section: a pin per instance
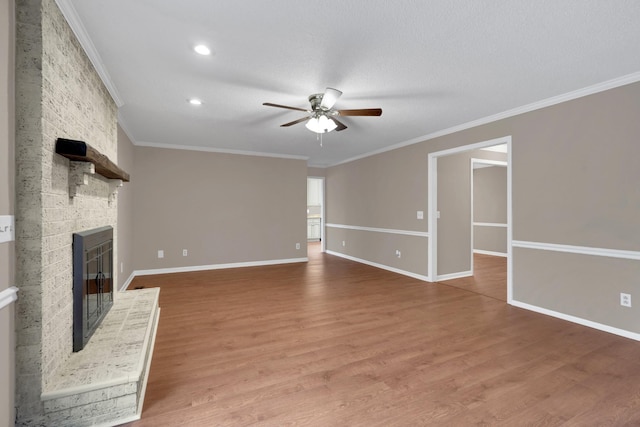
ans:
(577, 170)
(380, 248)
(490, 206)
(454, 205)
(7, 206)
(584, 286)
(125, 265)
(574, 176)
(222, 208)
(490, 195)
(312, 171)
(490, 239)
(382, 191)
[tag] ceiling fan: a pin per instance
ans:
(321, 117)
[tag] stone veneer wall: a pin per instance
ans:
(58, 94)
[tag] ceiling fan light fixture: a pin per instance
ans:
(329, 98)
(321, 124)
(202, 49)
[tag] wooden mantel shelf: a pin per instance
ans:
(80, 151)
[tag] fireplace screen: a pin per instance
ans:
(92, 282)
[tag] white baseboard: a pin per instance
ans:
(580, 321)
(458, 275)
(492, 253)
(126, 284)
(382, 266)
(217, 266)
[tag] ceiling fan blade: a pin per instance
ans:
(341, 126)
(329, 98)
(295, 122)
(361, 112)
(269, 104)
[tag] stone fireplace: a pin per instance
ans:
(59, 94)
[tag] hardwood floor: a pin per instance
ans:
(489, 277)
(336, 343)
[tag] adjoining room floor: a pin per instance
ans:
(335, 343)
(489, 277)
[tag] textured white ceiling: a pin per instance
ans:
(430, 65)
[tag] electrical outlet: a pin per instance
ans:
(625, 300)
(398, 253)
(298, 246)
(420, 215)
(160, 253)
(344, 243)
(185, 252)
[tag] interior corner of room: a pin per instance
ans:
(293, 257)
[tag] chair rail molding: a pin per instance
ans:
(8, 296)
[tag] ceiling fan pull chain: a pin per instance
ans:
(319, 138)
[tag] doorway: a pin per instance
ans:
(315, 211)
(449, 216)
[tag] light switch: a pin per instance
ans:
(420, 215)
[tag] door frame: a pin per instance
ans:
(433, 205)
(322, 210)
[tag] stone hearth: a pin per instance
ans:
(104, 383)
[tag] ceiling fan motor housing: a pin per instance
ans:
(315, 100)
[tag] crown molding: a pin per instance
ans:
(71, 15)
(217, 150)
(580, 93)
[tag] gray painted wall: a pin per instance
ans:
(574, 176)
(588, 148)
(454, 204)
(126, 227)
(7, 206)
(490, 206)
(222, 208)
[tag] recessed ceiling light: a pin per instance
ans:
(195, 101)
(202, 49)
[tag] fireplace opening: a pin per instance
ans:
(92, 282)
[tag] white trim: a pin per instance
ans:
(578, 320)
(492, 253)
(125, 127)
(589, 90)
(381, 266)
(380, 230)
(71, 15)
(489, 162)
(126, 284)
(583, 250)
(7, 296)
(217, 150)
(217, 266)
(432, 195)
(451, 276)
(489, 224)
